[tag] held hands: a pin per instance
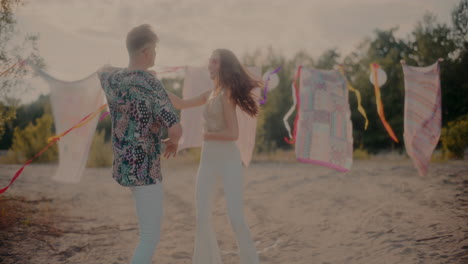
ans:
(171, 148)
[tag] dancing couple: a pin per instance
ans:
(140, 108)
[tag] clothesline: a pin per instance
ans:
(422, 143)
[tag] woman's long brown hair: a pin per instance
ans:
(233, 76)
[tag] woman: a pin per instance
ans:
(220, 156)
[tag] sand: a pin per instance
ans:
(380, 212)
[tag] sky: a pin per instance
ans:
(79, 36)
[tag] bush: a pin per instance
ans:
(361, 154)
(100, 154)
(454, 138)
(29, 141)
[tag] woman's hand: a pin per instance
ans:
(180, 103)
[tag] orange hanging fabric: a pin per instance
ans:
(380, 110)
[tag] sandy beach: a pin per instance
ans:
(380, 212)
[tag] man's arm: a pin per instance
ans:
(164, 111)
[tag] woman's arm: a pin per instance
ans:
(231, 131)
(180, 103)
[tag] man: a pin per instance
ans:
(139, 107)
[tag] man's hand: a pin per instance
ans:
(171, 148)
(172, 143)
(155, 127)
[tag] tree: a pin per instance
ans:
(12, 52)
(265, 133)
(431, 41)
(270, 128)
(460, 23)
(328, 59)
(455, 70)
(386, 50)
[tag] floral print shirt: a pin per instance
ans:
(139, 107)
